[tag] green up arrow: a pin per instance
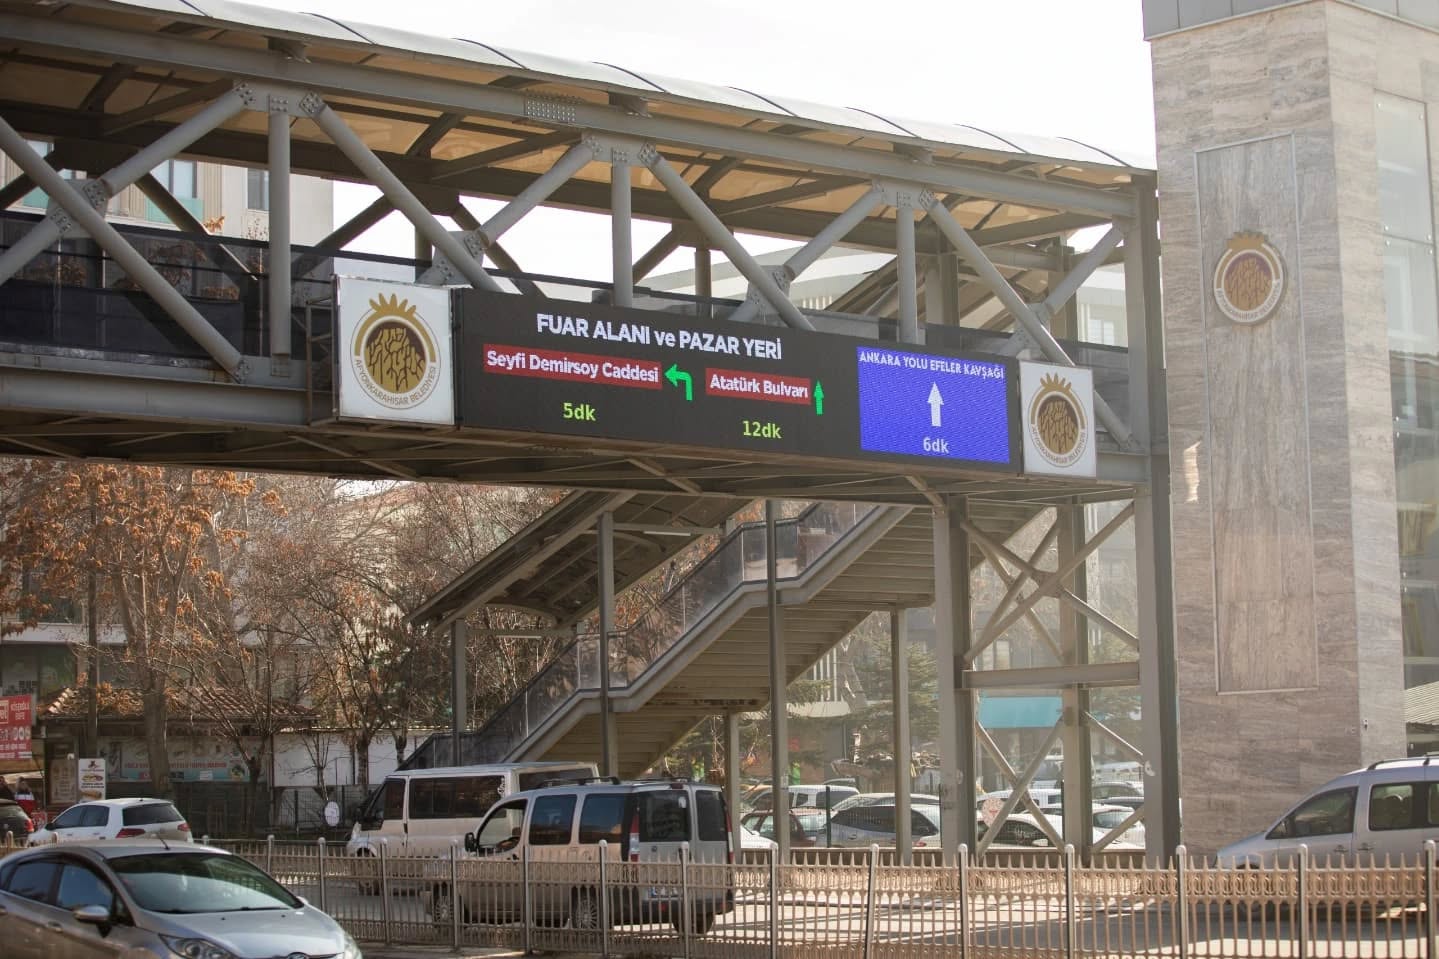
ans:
(676, 376)
(818, 398)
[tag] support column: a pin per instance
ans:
(731, 778)
(609, 745)
(1074, 732)
(778, 704)
(459, 689)
(956, 707)
(1154, 564)
(278, 305)
(704, 283)
(905, 267)
(899, 684)
(621, 226)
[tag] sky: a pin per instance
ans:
(1076, 68)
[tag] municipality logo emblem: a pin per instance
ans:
(394, 355)
(1057, 423)
(1249, 279)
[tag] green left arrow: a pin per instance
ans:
(676, 376)
(818, 398)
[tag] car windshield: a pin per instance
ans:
(199, 882)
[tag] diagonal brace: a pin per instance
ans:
(1011, 581)
(1011, 592)
(805, 256)
(77, 206)
(713, 228)
(339, 132)
(1019, 788)
(990, 276)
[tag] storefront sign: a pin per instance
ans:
(17, 715)
(198, 759)
(92, 778)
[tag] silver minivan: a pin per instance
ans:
(1388, 809)
(544, 837)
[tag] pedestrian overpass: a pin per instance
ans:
(186, 348)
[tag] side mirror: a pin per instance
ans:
(97, 916)
(471, 844)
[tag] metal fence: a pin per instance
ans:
(865, 905)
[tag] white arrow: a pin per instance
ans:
(935, 402)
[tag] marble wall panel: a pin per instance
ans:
(1258, 432)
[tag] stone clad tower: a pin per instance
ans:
(1302, 342)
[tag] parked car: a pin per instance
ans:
(421, 812)
(1388, 809)
(860, 826)
(15, 825)
(147, 899)
(882, 799)
(116, 819)
(818, 797)
(762, 824)
(753, 840)
(1022, 829)
(642, 822)
(1042, 796)
(1115, 790)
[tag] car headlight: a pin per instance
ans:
(352, 951)
(196, 948)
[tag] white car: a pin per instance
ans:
(753, 840)
(116, 819)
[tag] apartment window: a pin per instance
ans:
(178, 176)
(257, 189)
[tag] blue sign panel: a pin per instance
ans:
(919, 404)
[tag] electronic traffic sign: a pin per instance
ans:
(577, 369)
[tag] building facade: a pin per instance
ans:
(1296, 179)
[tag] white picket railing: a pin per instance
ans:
(867, 906)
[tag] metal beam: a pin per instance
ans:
(77, 205)
(899, 698)
(805, 257)
(47, 231)
(721, 237)
(466, 220)
(778, 686)
(370, 165)
(219, 254)
(990, 276)
(278, 302)
(621, 233)
(112, 125)
(459, 96)
(342, 236)
(609, 744)
(1091, 675)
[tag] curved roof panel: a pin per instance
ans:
(320, 29)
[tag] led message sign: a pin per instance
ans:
(571, 369)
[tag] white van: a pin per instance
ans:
(421, 812)
(559, 829)
(1388, 809)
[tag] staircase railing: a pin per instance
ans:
(739, 560)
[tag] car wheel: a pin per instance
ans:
(585, 911)
(442, 908)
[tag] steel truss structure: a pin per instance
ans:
(977, 223)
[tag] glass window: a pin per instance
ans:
(96, 816)
(664, 816)
(474, 795)
(602, 817)
(394, 807)
(551, 822)
(502, 829)
(432, 798)
(1402, 148)
(257, 189)
(709, 809)
(80, 886)
(70, 818)
(178, 177)
(192, 882)
(33, 880)
(151, 813)
(1327, 814)
(919, 824)
(1391, 806)
(1433, 805)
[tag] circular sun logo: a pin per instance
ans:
(393, 354)
(1248, 279)
(1057, 423)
